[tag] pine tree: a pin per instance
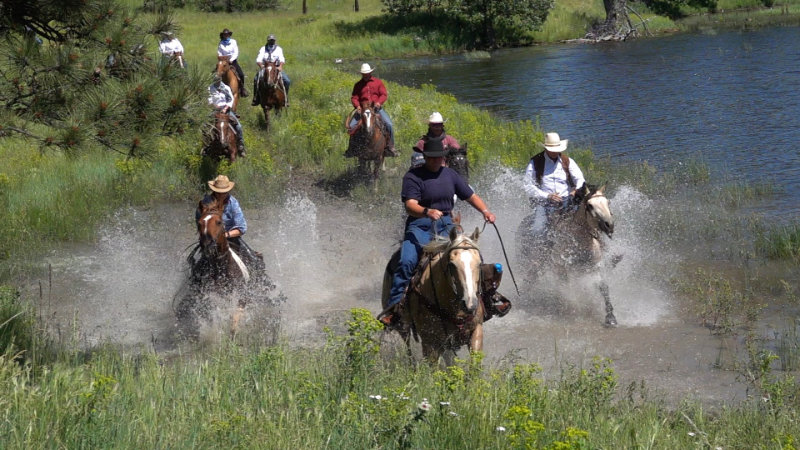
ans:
(78, 73)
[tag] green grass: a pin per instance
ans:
(346, 396)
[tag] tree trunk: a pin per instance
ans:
(305, 7)
(355, 8)
(616, 26)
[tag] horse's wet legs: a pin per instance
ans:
(476, 339)
(611, 321)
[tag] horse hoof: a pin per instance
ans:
(611, 321)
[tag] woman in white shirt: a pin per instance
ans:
(229, 47)
(170, 47)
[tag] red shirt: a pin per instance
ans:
(371, 90)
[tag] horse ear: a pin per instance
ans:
(475, 234)
(602, 188)
(457, 218)
(454, 232)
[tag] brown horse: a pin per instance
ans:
(271, 91)
(227, 74)
(219, 268)
(220, 141)
(443, 306)
(367, 141)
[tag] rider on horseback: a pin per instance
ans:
(551, 179)
(233, 220)
(428, 198)
(221, 98)
(274, 53)
(229, 47)
(170, 46)
(371, 89)
(436, 129)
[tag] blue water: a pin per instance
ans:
(731, 100)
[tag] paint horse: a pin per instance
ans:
(368, 140)
(574, 246)
(443, 307)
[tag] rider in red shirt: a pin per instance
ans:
(370, 88)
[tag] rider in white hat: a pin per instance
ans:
(370, 89)
(551, 179)
(436, 130)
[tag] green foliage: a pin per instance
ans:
(230, 6)
(16, 324)
(780, 242)
(674, 8)
(716, 298)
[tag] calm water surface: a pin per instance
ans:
(730, 99)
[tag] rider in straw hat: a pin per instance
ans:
(551, 180)
(427, 195)
(274, 53)
(371, 89)
(232, 218)
(229, 47)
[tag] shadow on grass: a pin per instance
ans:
(448, 31)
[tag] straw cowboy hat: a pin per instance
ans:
(554, 143)
(365, 68)
(221, 184)
(436, 117)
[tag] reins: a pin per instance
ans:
(505, 255)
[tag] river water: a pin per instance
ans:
(729, 99)
(642, 100)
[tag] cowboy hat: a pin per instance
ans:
(553, 143)
(167, 34)
(436, 117)
(271, 37)
(434, 148)
(225, 32)
(221, 184)
(365, 68)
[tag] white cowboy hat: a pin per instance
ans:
(436, 117)
(221, 184)
(365, 68)
(554, 143)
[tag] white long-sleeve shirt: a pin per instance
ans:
(169, 47)
(220, 96)
(276, 55)
(231, 49)
(554, 179)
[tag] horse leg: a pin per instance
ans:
(476, 339)
(266, 116)
(611, 321)
(235, 319)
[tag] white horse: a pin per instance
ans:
(573, 242)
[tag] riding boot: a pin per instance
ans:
(242, 91)
(390, 151)
(240, 148)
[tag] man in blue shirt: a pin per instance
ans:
(427, 194)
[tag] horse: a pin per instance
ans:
(219, 268)
(271, 91)
(456, 159)
(367, 141)
(228, 76)
(573, 244)
(443, 307)
(220, 141)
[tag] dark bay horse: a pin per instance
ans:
(271, 91)
(220, 140)
(367, 141)
(456, 159)
(574, 247)
(443, 306)
(227, 74)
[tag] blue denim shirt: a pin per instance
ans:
(232, 216)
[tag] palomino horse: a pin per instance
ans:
(573, 245)
(220, 141)
(367, 141)
(227, 74)
(271, 91)
(443, 306)
(220, 269)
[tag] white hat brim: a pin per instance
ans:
(556, 148)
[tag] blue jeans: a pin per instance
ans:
(418, 233)
(384, 117)
(238, 126)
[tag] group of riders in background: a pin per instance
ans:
(430, 187)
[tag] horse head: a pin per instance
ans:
(211, 230)
(367, 117)
(223, 65)
(456, 159)
(463, 259)
(271, 74)
(597, 208)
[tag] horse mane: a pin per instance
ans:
(441, 244)
(210, 204)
